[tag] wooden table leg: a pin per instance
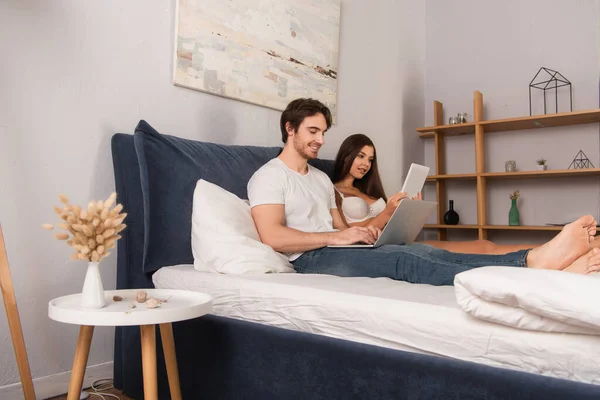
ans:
(14, 323)
(148, 334)
(84, 341)
(166, 333)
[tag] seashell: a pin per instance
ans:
(152, 303)
(140, 296)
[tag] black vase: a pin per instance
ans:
(451, 217)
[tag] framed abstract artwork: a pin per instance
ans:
(264, 52)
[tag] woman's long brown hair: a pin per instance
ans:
(370, 184)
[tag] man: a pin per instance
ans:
(293, 207)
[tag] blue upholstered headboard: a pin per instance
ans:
(155, 178)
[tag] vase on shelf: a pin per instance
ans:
(451, 217)
(513, 214)
(92, 294)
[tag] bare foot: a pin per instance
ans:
(587, 263)
(560, 252)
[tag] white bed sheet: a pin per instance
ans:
(399, 315)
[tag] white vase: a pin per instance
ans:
(541, 167)
(92, 295)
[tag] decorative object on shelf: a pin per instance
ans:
(461, 118)
(513, 213)
(541, 164)
(550, 80)
(451, 217)
(93, 231)
(245, 51)
(452, 121)
(510, 166)
(581, 161)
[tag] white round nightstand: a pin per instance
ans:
(180, 305)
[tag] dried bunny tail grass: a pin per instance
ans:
(108, 233)
(110, 200)
(91, 231)
(118, 208)
(87, 231)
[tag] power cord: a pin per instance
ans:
(98, 388)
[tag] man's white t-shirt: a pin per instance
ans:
(308, 198)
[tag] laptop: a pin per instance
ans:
(410, 215)
(405, 224)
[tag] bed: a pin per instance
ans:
(310, 337)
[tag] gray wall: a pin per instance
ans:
(496, 48)
(73, 73)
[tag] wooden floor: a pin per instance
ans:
(114, 391)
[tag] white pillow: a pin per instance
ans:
(224, 237)
(532, 299)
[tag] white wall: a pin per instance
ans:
(496, 48)
(382, 51)
(73, 73)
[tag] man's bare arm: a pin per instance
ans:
(270, 223)
(338, 222)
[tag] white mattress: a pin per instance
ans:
(394, 314)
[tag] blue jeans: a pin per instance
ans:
(415, 263)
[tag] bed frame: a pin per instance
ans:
(225, 358)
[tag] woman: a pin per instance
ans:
(361, 199)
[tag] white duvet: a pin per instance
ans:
(532, 299)
(393, 314)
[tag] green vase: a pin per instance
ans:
(513, 214)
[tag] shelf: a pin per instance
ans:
(522, 228)
(433, 178)
(479, 128)
(542, 121)
(438, 226)
(496, 227)
(515, 124)
(448, 130)
(553, 173)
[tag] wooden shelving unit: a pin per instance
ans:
(439, 132)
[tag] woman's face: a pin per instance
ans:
(362, 162)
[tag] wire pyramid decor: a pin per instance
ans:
(581, 161)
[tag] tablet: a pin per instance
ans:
(415, 179)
